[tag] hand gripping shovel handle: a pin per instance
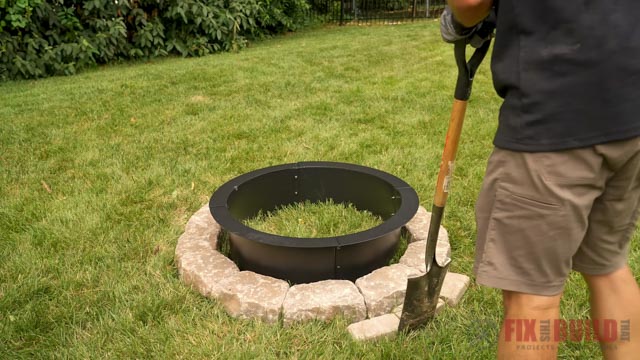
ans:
(423, 291)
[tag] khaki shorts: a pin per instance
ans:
(540, 215)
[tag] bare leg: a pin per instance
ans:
(520, 336)
(616, 296)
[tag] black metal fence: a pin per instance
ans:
(369, 11)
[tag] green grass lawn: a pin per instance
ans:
(99, 173)
(314, 220)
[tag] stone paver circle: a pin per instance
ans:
(245, 294)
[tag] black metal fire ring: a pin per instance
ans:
(304, 260)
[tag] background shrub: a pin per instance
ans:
(43, 38)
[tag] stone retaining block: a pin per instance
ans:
(414, 255)
(199, 263)
(384, 288)
(253, 296)
(384, 326)
(418, 226)
(453, 287)
(323, 300)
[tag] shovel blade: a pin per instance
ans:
(421, 298)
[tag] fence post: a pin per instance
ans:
(341, 12)
(415, 8)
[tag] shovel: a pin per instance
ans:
(423, 291)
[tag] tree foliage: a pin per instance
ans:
(43, 38)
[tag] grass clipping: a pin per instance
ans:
(314, 220)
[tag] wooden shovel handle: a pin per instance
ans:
(466, 73)
(447, 164)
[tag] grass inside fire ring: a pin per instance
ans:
(308, 219)
(314, 220)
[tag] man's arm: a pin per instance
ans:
(470, 12)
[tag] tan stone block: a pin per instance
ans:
(418, 226)
(205, 270)
(384, 288)
(323, 300)
(189, 244)
(453, 288)
(384, 326)
(414, 255)
(248, 295)
(202, 223)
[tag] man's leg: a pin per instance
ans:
(528, 230)
(616, 296)
(520, 336)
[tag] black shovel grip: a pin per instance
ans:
(467, 70)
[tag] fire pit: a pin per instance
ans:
(304, 260)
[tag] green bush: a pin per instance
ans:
(43, 38)
(283, 15)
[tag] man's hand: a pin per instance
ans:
(453, 31)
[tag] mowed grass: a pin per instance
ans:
(99, 173)
(314, 220)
